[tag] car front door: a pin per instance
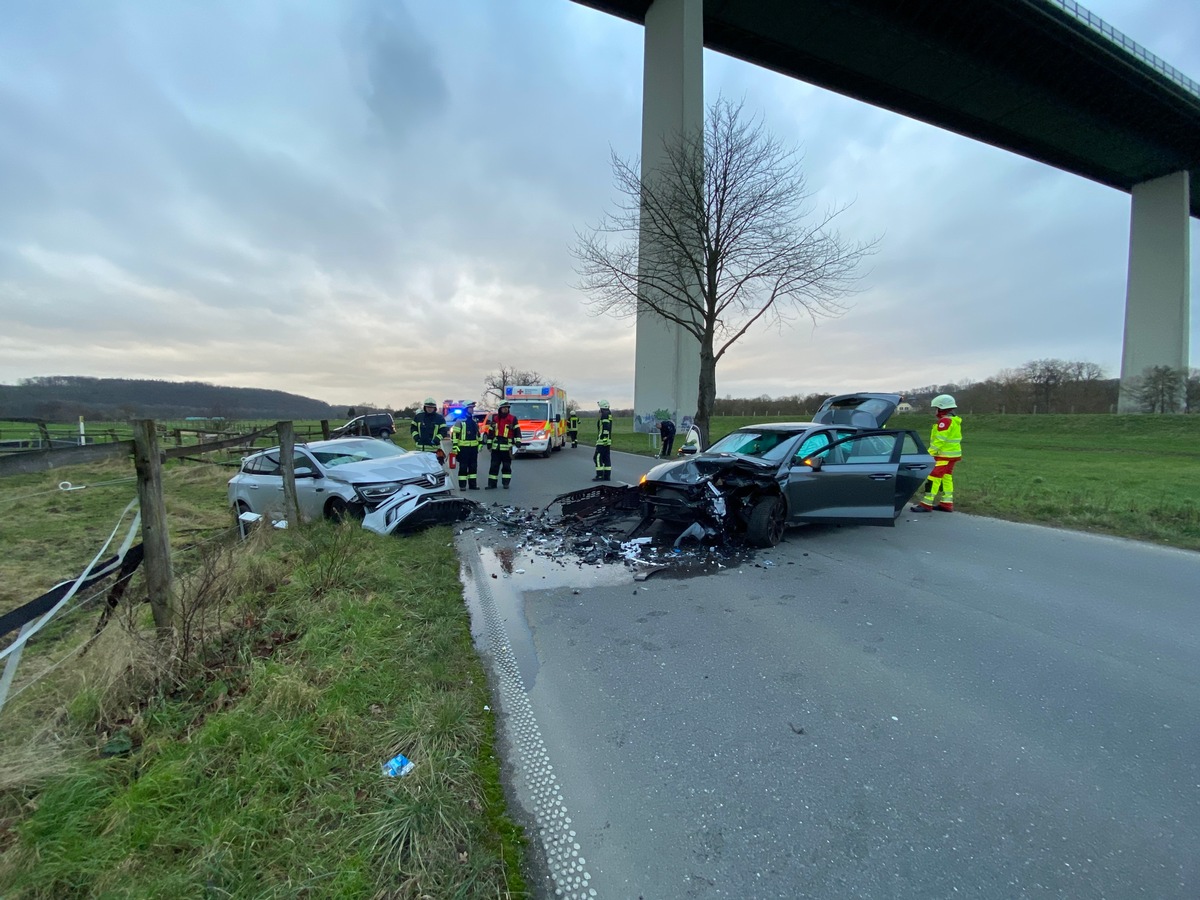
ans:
(915, 466)
(310, 490)
(854, 482)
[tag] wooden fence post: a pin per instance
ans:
(325, 429)
(287, 459)
(155, 541)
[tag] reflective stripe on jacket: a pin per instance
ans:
(505, 432)
(464, 434)
(946, 438)
(604, 432)
(428, 429)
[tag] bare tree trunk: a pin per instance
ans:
(706, 394)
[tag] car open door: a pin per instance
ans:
(853, 481)
(915, 466)
(859, 410)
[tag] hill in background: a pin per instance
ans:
(63, 398)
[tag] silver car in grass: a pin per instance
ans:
(386, 486)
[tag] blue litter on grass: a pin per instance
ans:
(398, 765)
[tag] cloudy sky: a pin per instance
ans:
(369, 201)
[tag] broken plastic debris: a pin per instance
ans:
(519, 571)
(695, 530)
(398, 765)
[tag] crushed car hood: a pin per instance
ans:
(399, 468)
(697, 468)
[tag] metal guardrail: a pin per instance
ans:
(1126, 43)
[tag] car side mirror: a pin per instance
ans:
(815, 463)
(305, 472)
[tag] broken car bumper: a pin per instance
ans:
(406, 513)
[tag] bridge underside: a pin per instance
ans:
(1023, 75)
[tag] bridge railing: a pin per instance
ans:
(1093, 21)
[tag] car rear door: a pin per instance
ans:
(855, 483)
(263, 484)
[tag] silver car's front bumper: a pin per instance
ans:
(405, 511)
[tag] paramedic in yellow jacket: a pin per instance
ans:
(945, 446)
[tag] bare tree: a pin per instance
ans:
(1044, 377)
(729, 240)
(1191, 397)
(1160, 388)
(495, 382)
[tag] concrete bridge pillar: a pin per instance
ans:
(1157, 301)
(667, 360)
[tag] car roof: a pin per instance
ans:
(321, 445)
(780, 426)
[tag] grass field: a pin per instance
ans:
(247, 764)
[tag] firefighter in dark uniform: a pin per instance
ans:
(464, 437)
(428, 428)
(603, 453)
(502, 438)
(573, 429)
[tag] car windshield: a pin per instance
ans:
(355, 451)
(529, 409)
(761, 444)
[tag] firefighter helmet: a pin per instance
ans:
(429, 401)
(943, 401)
(603, 404)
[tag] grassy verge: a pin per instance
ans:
(249, 765)
(1127, 475)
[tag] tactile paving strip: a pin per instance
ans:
(571, 879)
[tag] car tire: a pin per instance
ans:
(767, 521)
(337, 509)
(385, 434)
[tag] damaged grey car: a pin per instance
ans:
(843, 467)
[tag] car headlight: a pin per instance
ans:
(376, 493)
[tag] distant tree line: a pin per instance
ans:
(1039, 386)
(64, 398)
(1063, 386)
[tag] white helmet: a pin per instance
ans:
(943, 401)
(603, 404)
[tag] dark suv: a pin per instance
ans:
(376, 425)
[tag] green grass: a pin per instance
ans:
(1128, 475)
(255, 769)
(266, 782)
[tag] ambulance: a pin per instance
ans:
(541, 411)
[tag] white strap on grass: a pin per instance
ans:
(24, 636)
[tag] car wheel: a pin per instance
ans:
(337, 509)
(385, 434)
(766, 523)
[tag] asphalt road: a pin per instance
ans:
(956, 707)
